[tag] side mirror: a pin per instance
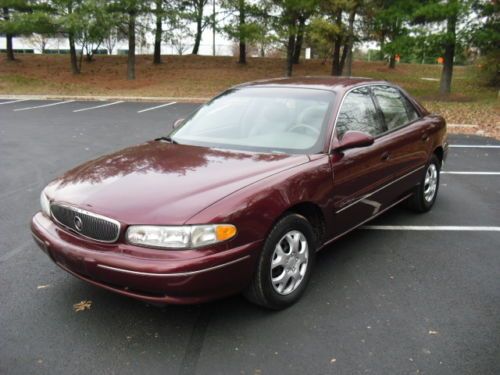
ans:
(177, 123)
(354, 139)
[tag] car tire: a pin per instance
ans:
(426, 191)
(285, 264)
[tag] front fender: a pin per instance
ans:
(255, 208)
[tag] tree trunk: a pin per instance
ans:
(75, 68)
(347, 53)
(382, 46)
(449, 55)
(213, 28)
(348, 71)
(243, 45)
(158, 32)
(199, 29)
(10, 48)
(8, 37)
(131, 46)
(300, 39)
(289, 53)
(336, 68)
(392, 62)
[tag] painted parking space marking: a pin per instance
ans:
(459, 228)
(155, 107)
(43, 106)
(471, 173)
(474, 146)
(98, 106)
(461, 126)
(14, 101)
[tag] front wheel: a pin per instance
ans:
(285, 264)
(426, 192)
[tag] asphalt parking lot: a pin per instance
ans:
(423, 299)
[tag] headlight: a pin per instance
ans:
(180, 237)
(45, 204)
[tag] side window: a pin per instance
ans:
(358, 112)
(396, 109)
(412, 112)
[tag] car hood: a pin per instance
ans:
(163, 183)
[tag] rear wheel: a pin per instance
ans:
(426, 192)
(285, 264)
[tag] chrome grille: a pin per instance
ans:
(86, 223)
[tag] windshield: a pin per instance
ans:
(288, 120)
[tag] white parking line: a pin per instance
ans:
(43, 106)
(431, 227)
(474, 146)
(14, 101)
(158, 106)
(461, 126)
(97, 106)
(472, 173)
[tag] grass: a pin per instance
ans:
(205, 76)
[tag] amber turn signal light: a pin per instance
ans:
(225, 231)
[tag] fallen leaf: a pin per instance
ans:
(82, 305)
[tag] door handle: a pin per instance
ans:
(385, 156)
(425, 137)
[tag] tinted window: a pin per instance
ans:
(358, 113)
(396, 109)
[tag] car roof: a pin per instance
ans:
(329, 83)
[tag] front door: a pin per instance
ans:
(359, 174)
(407, 139)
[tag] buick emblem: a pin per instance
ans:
(78, 223)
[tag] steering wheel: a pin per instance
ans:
(305, 126)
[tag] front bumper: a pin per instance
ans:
(187, 277)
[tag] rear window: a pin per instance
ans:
(395, 107)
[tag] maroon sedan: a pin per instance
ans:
(243, 193)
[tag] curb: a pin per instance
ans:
(181, 99)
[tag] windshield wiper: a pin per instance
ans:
(166, 139)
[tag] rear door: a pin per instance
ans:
(359, 173)
(406, 138)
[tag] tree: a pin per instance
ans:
(159, 14)
(388, 22)
(177, 32)
(21, 17)
(245, 28)
(294, 14)
(95, 25)
(266, 34)
(66, 18)
(331, 35)
(111, 38)
(39, 41)
(445, 17)
(86, 22)
(485, 35)
(127, 12)
(193, 11)
(8, 35)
